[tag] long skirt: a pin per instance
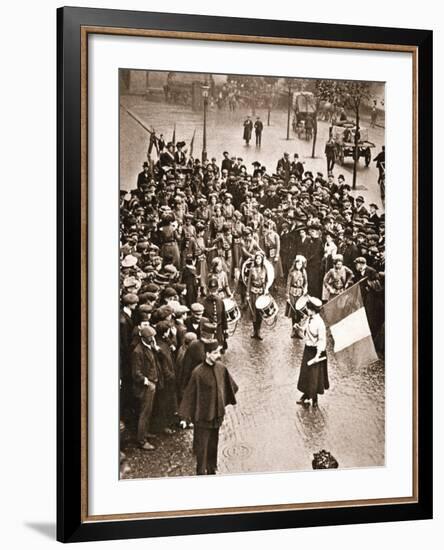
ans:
(313, 379)
(254, 313)
(165, 407)
(237, 255)
(278, 270)
(202, 271)
(172, 250)
(291, 311)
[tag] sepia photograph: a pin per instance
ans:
(252, 267)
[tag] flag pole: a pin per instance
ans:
(346, 290)
(192, 143)
(137, 119)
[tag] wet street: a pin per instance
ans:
(224, 132)
(266, 431)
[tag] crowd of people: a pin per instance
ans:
(186, 232)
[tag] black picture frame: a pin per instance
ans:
(71, 525)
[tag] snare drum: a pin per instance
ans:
(267, 308)
(301, 303)
(232, 314)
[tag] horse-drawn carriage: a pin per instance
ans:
(304, 115)
(344, 137)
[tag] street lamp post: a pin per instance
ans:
(205, 93)
(289, 109)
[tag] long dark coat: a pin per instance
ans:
(165, 400)
(314, 256)
(126, 332)
(190, 280)
(209, 391)
(194, 356)
(248, 128)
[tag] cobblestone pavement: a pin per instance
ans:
(266, 431)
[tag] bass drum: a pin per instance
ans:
(245, 271)
(233, 315)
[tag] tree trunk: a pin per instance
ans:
(315, 135)
(288, 113)
(356, 152)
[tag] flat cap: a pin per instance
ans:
(130, 299)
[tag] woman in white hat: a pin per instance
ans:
(313, 376)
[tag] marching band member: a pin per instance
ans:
(249, 247)
(272, 245)
(237, 230)
(218, 273)
(257, 286)
(313, 376)
(297, 285)
(224, 244)
(337, 279)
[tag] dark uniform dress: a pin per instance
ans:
(296, 287)
(198, 248)
(188, 233)
(237, 230)
(313, 379)
(257, 282)
(169, 246)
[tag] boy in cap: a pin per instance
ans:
(210, 390)
(194, 321)
(145, 375)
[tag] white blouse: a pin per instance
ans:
(315, 334)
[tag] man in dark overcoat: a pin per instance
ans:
(144, 177)
(147, 378)
(283, 167)
(258, 129)
(210, 389)
(127, 324)
(248, 129)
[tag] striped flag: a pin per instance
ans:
(346, 317)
